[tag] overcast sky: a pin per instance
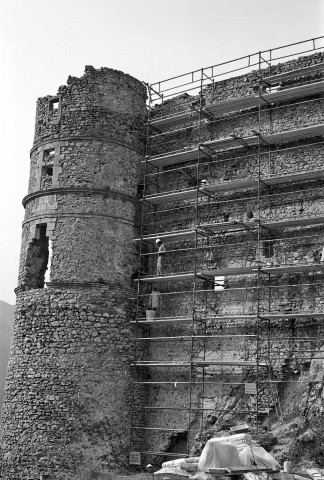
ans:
(45, 41)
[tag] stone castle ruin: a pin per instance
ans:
(124, 352)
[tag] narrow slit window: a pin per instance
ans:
(49, 263)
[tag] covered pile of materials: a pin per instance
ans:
(222, 457)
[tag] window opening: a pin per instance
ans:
(219, 283)
(48, 156)
(267, 248)
(46, 177)
(53, 109)
(49, 263)
(53, 113)
(37, 259)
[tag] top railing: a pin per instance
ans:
(192, 82)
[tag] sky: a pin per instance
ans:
(42, 42)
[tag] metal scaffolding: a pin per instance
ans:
(195, 109)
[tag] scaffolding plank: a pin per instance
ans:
(313, 267)
(202, 191)
(168, 236)
(176, 277)
(299, 72)
(174, 196)
(295, 92)
(232, 105)
(210, 228)
(295, 222)
(294, 177)
(163, 321)
(164, 123)
(238, 363)
(276, 270)
(231, 317)
(216, 272)
(172, 158)
(292, 135)
(230, 186)
(289, 316)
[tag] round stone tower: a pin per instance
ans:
(68, 401)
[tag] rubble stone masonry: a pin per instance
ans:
(68, 394)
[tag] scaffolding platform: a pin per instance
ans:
(291, 316)
(220, 272)
(176, 277)
(163, 321)
(197, 319)
(231, 317)
(275, 270)
(189, 116)
(231, 186)
(225, 363)
(300, 72)
(175, 196)
(176, 236)
(293, 178)
(208, 190)
(214, 228)
(224, 144)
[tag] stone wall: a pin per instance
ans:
(69, 396)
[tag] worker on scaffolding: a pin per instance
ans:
(161, 251)
(155, 301)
